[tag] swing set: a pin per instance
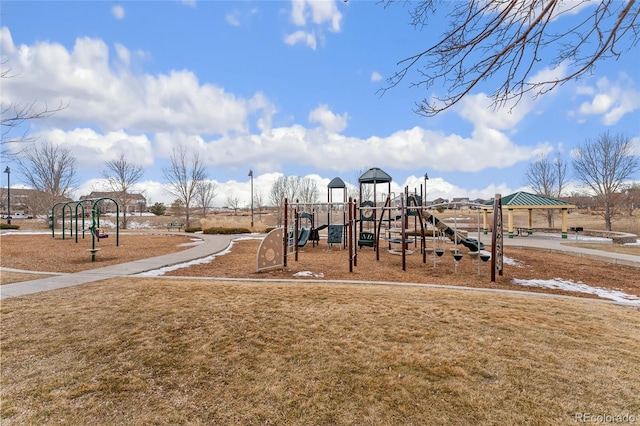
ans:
(97, 232)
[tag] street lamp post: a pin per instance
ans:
(424, 199)
(251, 176)
(8, 172)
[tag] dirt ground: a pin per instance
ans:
(42, 253)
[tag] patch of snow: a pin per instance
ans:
(512, 262)
(308, 274)
(637, 243)
(133, 224)
(580, 287)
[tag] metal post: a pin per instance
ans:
(424, 200)
(251, 176)
(8, 172)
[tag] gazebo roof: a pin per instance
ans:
(374, 175)
(336, 182)
(526, 200)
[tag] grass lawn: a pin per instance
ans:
(166, 351)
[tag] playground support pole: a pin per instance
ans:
(353, 207)
(286, 231)
(350, 236)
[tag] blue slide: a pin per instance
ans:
(303, 236)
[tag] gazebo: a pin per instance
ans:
(526, 201)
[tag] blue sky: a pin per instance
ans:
(282, 87)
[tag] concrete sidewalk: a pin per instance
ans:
(211, 244)
(555, 244)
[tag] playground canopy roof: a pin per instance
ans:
(336, 182)
(374, 175)
(525, 200)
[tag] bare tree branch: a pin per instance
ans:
(14, 116)
(505, 41)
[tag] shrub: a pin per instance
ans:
(226, 231)
(158, 209)
(193, 229)
(7, 226)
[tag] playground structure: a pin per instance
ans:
(97, 232)
(370, 223)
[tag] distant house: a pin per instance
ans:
(438, 201)
(455, 203)
(27, 202)
(136, 202)
(478, 201)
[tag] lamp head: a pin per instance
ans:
(250, 173)
(426, 176)
(7, 170)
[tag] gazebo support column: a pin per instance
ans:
(530, 225)
(485, 228)
(564, 223)
(510, 219)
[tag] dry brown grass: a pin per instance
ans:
(43, 253)
(9, 277)
(612, 248)
(149, 351)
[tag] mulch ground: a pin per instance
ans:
(42, 253)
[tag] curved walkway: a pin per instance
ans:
(213, 244)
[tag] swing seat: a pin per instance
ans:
(99, 232)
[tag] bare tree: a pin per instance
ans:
(205, 193)
(50, 169)
(120, 176)
(505, 40)
(279, 191)
(258, 201)
(308, 190)
(183, 176)
(14, 116)
(603, 165)
(234, 203)
(547, 178)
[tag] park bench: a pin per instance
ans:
(175, 225)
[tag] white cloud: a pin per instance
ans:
(190, 3)
(301, 37)
(232, 18)
(328, 120)
(147, 115)
(92, 149)
(321, 11)
(610, 100)
(117, 11)
(113, 100)
(376, 76)
(314, 16)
